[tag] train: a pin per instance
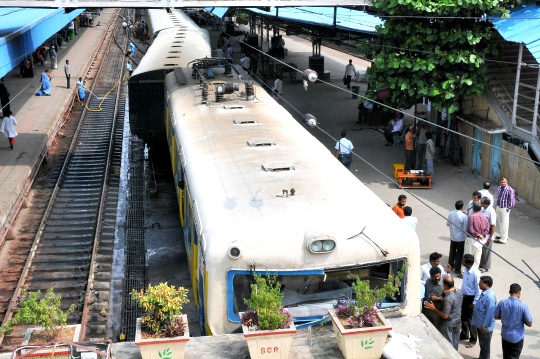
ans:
(258, 193)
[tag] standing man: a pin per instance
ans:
(484, 192)
(409, 219)
(350, 71)
(229, 53)
(343, 150)
(483, 317)
(52, 55)
(434, 295)
(8, 128)
(457, 221)
(489, 212)
(506, 200)
(132, 47)
(471, 293)
(476, 197)
(513, 314)
(434, 261)
(409, 148)
(422, 128)
(398, 207)
(430, 155)
(277, 90)
(478, 228)
(246, 62)
(451, 313)
(281, 47)
(67, 72)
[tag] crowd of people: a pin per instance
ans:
(469, 313)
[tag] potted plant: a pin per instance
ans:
(267, 326)
(360, 328)
(163, 331)
(44, 310)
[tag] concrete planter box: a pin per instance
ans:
(269, 344)
(59, 352)
(159, 348)
(361, 343)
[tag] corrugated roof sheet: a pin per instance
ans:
(345, 18)
(24, 30)
(522, 27)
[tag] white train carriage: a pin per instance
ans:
(258, 193)
(173, 47)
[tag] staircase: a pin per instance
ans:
(502, 70)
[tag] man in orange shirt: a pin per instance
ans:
(409, 148)
(398, 207)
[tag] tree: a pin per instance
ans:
(433, 49)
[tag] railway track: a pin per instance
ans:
(67, 240)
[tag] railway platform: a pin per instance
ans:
(40, 118)
(335, 109)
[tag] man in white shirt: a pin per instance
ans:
(434, 261)
(278, 86)
(343, 150)
(350, 72)
(410, 220)
(484, 192)
(246, 62)
(457, 222)
(393, 127)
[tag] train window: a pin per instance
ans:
(312, 294)
(257, 142)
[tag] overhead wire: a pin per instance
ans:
(427, 205)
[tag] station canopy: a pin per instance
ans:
(345, 18)
(23, 30)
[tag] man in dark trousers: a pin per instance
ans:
(513, 314)
(67, 71)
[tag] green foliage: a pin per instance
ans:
(435, 50)
(44, 311)
(266, 300)
(161, 303)
(364, 312)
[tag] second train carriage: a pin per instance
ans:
(178, 41)
(259, 194)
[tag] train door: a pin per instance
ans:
(477, 151)
(201, 285)
(495, 171)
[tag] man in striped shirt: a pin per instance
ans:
(506, 200)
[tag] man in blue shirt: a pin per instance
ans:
(513, 314)
(483, 316)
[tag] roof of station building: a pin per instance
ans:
(23, 30)
(522, 27)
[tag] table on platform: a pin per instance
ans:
(414, 180)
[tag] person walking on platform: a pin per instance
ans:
(506, 200)
(129, 68)
(68, 73)
(53, 56)
(132, 47)
(4, 99)
(8, 128)
(350, 72)
(343, 150)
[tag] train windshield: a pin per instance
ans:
(311, 294)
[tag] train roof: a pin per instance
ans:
(241, 156)
(173, 47)
(160, 19)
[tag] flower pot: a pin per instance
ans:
(269, 344)
(59, 352)
(361, 343)
(161, 348)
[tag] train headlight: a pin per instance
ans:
(321, 245)
(234, 252)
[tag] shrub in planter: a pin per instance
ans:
(163, 305)
(266, 311)
(45, 311)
